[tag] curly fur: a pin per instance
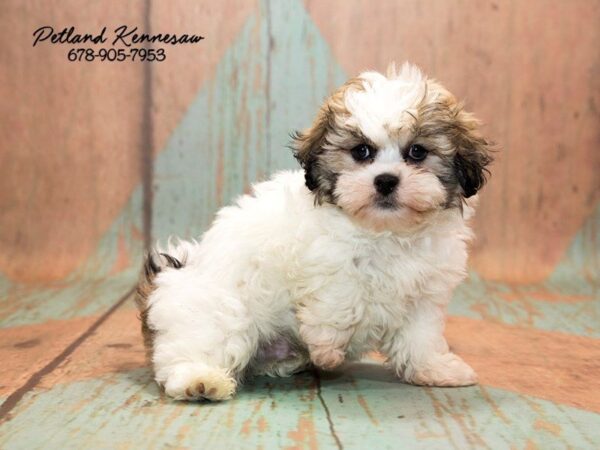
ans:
(310, 268)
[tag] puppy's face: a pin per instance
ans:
(391, 151)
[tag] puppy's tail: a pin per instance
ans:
(155, 262)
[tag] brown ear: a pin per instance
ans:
(307, 145)
(473, 154)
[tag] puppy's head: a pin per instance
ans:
(392, 150)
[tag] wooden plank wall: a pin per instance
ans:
(73, 133)
(530, 70)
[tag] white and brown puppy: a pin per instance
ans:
(358, 252)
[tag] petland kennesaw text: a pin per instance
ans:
(122, 35)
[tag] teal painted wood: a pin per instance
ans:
(579, 270)
(572, 292)
(93, 287)
(367, 406)
(127, 411)
(524, 305)
(303, 71)
(269, 83)
(219, 144)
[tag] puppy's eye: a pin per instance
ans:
(417, 152)
(362, 152)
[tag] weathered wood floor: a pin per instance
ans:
(80, 382)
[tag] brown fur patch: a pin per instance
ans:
(328, 119)
(470, 150)
(144, 289)
(327, 126)
(153, 264)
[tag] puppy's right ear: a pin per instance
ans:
(307, 145)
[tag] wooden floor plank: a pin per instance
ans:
(564, 308)
(35, 374)
(116, 347)
(554, 366)
(26, 349)
(110, 271)
(539, 388)
(82, 298)
(366, 405)
(126, 410)
(551, 365)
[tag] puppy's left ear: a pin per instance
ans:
(473, 154)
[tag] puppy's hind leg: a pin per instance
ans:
(197, 380)
(202, 354)
(201, 337)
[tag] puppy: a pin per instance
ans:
(359, 251)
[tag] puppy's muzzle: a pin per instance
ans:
(386, 183)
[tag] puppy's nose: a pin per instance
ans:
(385, 183)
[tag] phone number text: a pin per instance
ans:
(117, 55)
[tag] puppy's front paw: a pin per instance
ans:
(442, 370)
(326, 357)
(194, 382)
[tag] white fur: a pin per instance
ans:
(386, 107)
(275, 268)
(418, 198)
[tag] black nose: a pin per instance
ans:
(386, 183)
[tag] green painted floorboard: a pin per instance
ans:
(362, 407)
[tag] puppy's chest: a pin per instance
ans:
(383, 271)
(390, 273)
